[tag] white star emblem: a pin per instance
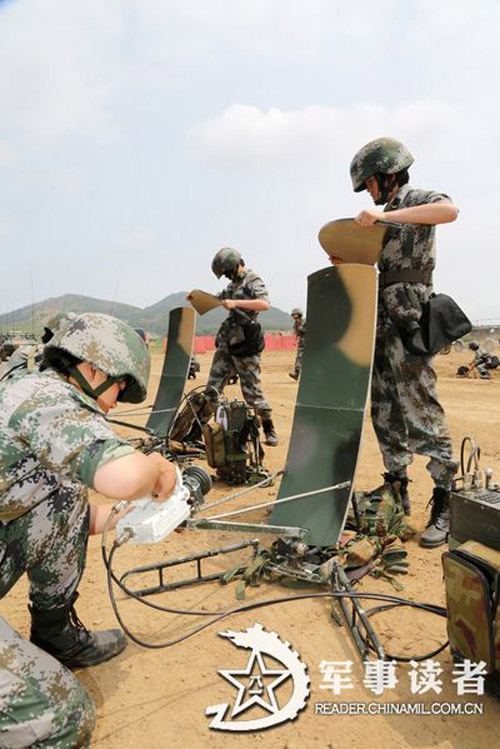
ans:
(255, 684)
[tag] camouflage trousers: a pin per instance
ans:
(406, 413)
(248, 368)
(41, 703)
(298, 358)
(49, 543)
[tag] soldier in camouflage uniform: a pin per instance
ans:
(406, 412)
(299, 329)
(481, 360)
(29, 355)
(54, 443)
(239, 340)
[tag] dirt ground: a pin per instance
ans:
(159, 696)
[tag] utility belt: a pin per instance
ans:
(390, 277)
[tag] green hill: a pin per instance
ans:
(152, 318)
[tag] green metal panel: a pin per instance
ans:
(331, 400)
(181, 327)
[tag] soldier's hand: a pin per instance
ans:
(229, 303)
(166, 479)
(368, 218)
(335, 260)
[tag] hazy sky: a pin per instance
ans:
(137, 137)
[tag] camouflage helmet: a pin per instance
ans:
(110, 345)
(225, 261)
(380, 156)
(57, 321)
(474, 346)
(296, 311)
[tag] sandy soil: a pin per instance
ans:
(159, 696)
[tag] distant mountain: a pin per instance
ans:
(152, 318)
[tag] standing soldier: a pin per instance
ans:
(406, 412)
(54, 443)
(239, 340)
(299, 329)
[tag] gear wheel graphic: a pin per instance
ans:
(259, 640)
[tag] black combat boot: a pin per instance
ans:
(438, 526)
(270, 432)
(60, 633)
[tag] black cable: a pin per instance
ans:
(219, 615)
(403, 658)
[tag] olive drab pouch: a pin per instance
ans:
(246, 339)
(213, 436)
(442, 321)
(226, 441)
(472, 583)
(379, 513)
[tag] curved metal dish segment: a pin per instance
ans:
(181, 328)
(331, 400)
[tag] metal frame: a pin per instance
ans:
(355, 617)
(159, 567)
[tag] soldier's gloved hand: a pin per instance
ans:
(167, 477)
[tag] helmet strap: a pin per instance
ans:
(233, 275)
(385, 184)
(87, 389)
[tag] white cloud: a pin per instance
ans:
(7, 155)
(244, 137)
(188, 32)
(138, 239)
(4, 229)
(65, 64)
(295, 89)
(64, 181)
(295, 165)
(55, 72)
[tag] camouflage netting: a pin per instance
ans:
(372, 543)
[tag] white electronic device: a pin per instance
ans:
(150, 521)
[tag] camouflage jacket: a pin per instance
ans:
(412, 246)
(50, 433)
(408, 247)
(249, 286)
(299, 328)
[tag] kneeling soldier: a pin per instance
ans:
(54, 443)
